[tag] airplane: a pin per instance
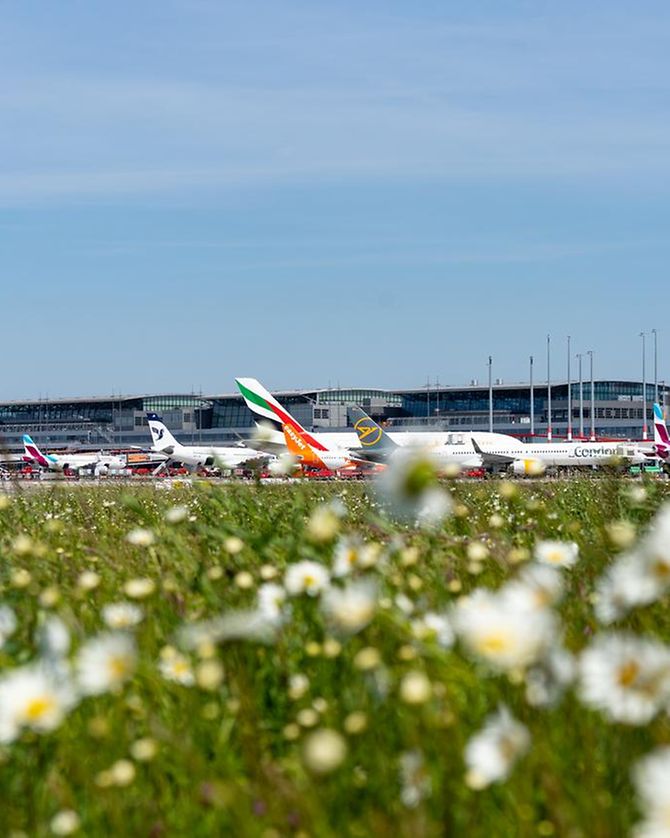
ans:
(307, 456)
(270, 416)
(96, 460)
(378, 445)
(534, 458)
(196, 455)
(661, 438)
(492, 449)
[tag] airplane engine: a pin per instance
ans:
(101, 470)
(528, 468)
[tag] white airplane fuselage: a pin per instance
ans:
(207, 455)
(457, 448)
(568, 454)
(75, 462)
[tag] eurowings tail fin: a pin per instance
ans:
(661, 438)
(31, 453)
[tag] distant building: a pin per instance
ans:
(119, 421)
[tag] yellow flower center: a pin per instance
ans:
(661, 568)
(38, 707)
(628, 673)
(309, 581)
(493, 644)
(119, 667)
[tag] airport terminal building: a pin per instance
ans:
(120, 421)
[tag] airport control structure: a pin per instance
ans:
(119, 422)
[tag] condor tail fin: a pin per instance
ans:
(371, 436)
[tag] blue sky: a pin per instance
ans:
(315, 193)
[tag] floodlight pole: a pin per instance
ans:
(548, 388)
(593, 400)
(490, 395)
(569, 396)
(655, 334)
(581, 397)
(643, 335)
(532, 400)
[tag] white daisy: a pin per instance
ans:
(350, 609)
(176, 514)
(140, 537)
(493, 629)
(557, 553)
(306, 577)
(626, 584)
(491, 754)
(324, 522)
(657, 540)
(176, 667)
(122, 615)
(34, 697)
(352, 553)
(105, 662)
(652, 782)
(139, 588)
(65, 822)
(640, 576)
(410, 490)
(324, 751)
(625, 677)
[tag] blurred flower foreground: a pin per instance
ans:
(413, 657)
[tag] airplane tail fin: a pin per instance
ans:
(371, 435)
(161, 436)
(661, 438)
(31, 453)
(299, 447)
(266, 408)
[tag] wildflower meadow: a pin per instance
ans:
(411, 657)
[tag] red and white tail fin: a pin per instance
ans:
(661, 438)
(31, 453)
(266, 408)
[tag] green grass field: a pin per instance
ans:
(213, 701)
